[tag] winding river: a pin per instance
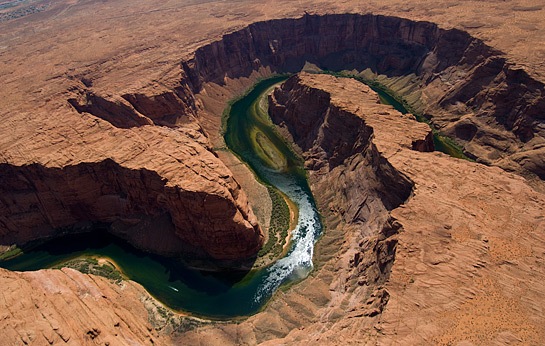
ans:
(250, 134)
(218, 295)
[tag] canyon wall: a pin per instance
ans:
(352, 178)
(467, 89)
(469, 255)
(452, 254)
(161, 189)
(170, 105)
(330, 136)
(136, 204)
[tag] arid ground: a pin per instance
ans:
(111, 112)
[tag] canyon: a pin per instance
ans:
(418, 247)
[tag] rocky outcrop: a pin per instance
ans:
(160, 106)
(116, 112)
(330, 135)
(469, 264)
(468, 88)
(74, 309)
(351, 177)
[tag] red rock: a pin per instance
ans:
(486, 263)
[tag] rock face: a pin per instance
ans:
(123, 111)
(162, 190)
(456, 259)
(341, 128)
(464, 86)
(500, 122)
(328, 135)
(167, 107)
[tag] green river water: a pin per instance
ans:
(218, 295)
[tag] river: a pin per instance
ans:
(217, 295)
(250, 134)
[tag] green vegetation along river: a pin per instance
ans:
(211, 294)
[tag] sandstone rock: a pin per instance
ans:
(450, 66)
(422, 270)
(452, 77)
(147, 174)
(445, 279)
(41, 70)
(67, 307)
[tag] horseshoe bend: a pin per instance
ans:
(151, 212)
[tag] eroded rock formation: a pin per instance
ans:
(51, 307)
(467, 232)
(339, 133)
(161, 189)
(465, 87)
(460, 260)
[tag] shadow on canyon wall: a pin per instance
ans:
(454, 67)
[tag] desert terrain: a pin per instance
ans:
(112, 113)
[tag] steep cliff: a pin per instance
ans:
(160, 189)
(469, 261)
(170, 104)
(466, 88)
(352, 178)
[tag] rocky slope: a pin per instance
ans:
(465, 212)
(465, 87)
(161, 189)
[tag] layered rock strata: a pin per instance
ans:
(52, 307)
(502, 252)
(347, 139)
(467, 88)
